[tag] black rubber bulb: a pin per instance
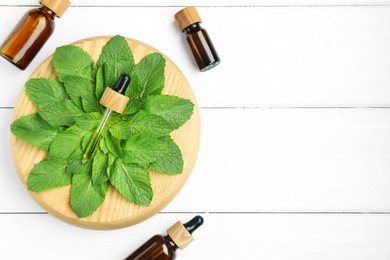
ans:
(193, 224)
(122, 83)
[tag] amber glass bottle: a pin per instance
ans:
(31, 33)
(198, 39)
(164, 247)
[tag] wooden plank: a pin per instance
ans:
(271, 160)
(208, 2)
(295, 237)
(340, 58)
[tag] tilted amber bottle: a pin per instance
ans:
(31, 33)
(197, 37)
(164, 247)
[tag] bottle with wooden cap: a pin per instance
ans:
(31, 33)
(164, 248)
(198, 39)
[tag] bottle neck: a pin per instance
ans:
(169, 242)
(192, 27)
(49, 12)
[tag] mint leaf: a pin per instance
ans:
(86, 139)
(81, 91)
(99, 168)
(172, 163)
(113, 145)
(111, 160)
(103, 146)
(48, 174)
(90, 104)
(133, 106)
(132, 181)
(33, 129)
(134, 91)
(60, 113)
(44, 91)
(149, 124)
(88, 121)
(99, 88)
(149, 75)
(85, 197)
(143, 149)
(71, 60)
(66, 142)
(76, 164)
(121, 130)
(174, 110)
(117, 58)
(142, 123)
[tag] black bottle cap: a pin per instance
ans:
(122, 84)
(193, 224)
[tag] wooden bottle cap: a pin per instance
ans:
(180, 235)
(57, 6)
(187, 16)
(113, 100)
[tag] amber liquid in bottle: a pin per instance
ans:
(156, 248)
(28, 37)
(201, 47)
(164, 247)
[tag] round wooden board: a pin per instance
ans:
(115, 212)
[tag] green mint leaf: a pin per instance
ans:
(111, 160)
(60, 113)
(71, 60)
(113, 145)
(134, 91)
(99, 168)
(132, 182)
(117, 58)
(66, 142)
(143, 149)
(81, 91)
(172, 163)
(149, 124)
(142, 123)
(120, 130)
(99, 88)
(77, 165)
(86, 139)
(103, 146)
(174, 110)
(88, 121)
(44, 91)
(48, 174)
(133, 106)
(33, 129)
(90, 104)
(85, 197)
(148, 76)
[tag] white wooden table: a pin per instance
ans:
(295, 154)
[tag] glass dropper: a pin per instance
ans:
(120, 88)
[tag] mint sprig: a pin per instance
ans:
(134, 142)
